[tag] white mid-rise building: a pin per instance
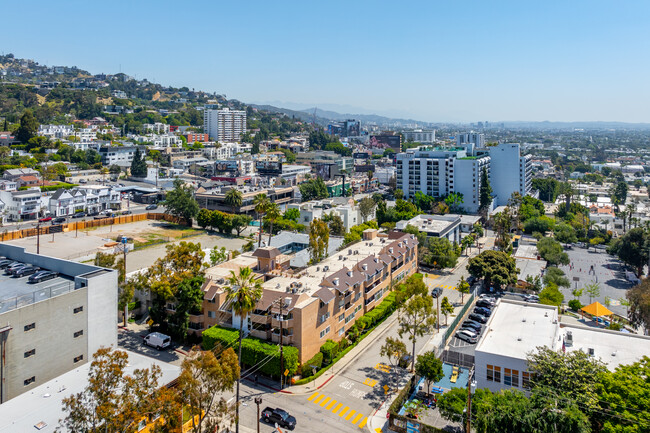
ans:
(224, 124)
(470, 141)
(55, 131)
(420, 135)
(510, 172)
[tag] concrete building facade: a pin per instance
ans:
(224, 124)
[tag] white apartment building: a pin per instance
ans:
(224, 124)
(385, 174)
(55, 132)
(226, 150)
(518, 328)
(91, 198)
(510, 172)
(156, 128)
(420, 135)
(118, 155)
(340, 206)
(23, 205)
(470, 141)
(86, 135)
(158, 140)
(185, 163)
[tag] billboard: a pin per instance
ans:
(269, 168)
(392, 141)
(361, 155)
(325, 170)
(222, 166)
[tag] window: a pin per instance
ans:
(493, 373)
(324, 332)
(78, 333)
(30, 353)
(510, 377)
(78, 358)
(78, 310)
(212, 314)
(525, 380)
(30, 327)
(515, 378)
(342, 331)
(30, 380)
(341, 317)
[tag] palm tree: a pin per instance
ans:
(272, 215)
(261, 203)
(244, 290)
(233, 199)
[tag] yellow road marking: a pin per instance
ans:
(349, 415)
(345, 409)
(337, 408)
(378, 430)
(329, 406)
(313, 396)
(363, 422)
(325, 402)
(319, 399)
(357, 418)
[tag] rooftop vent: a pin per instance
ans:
(349, 273)
(340, 257)
(317, 268)
(591, 351)
(326, 268)
(365, 267)
(518, 338)
(376, 259)
(335, 281)
(390, 250)
(523, 320)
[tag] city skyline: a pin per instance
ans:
(430, 62)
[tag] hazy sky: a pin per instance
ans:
(429, 60)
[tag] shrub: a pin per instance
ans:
(329, 350)
(317, 361)
(575, 305)
(254, 351)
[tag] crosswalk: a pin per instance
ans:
(448, 287)
(370, 382)
(344, 412)
(382, 367)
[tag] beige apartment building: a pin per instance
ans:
(317, 303)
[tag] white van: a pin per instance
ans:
(158, 340)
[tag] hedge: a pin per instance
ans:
(255, 352)
(329, 350)
(317, 361)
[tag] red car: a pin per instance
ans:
(44, 220)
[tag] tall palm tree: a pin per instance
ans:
(272, 215)
(244, 290)
(261, 203)
(233, 199)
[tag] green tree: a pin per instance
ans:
(593, 290)
(632, 249)
(291, 214)
(104, 260)
(550, 295)
(180, 202)
(313, 189)
(503, 222)
(335, 223)
(218, 255)
(394, 350)
(439, 253)
(594, 242)
(540, 224)
(454, 200)
(429, 367)
(416, 317)
(188, 300)
(551, 251)
(485, 193)
(204, 377)
(564, 233)
(548, 188)
(203, 218)
(494, 267)
(244, 290)
(639, 304)
(182, 261)
(463, 287)
(319, 237)
(261, 204)
(138, 164)
(446, 308)
(556, 276)
(233, 198)
(28, 127)
(273, 214)
(366, 208)
(239, 222)
(452, 404)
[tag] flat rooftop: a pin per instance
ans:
(44, 403)
(516, 328)
(17, 292)
(431, 223)
(614, 348)
(532, 267)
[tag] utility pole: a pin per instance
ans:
(281, 346)
(38, 238)
(126, 304)
(258, 401)
(469, 404)
(438, 311)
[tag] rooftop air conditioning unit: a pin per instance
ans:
(326, 268)
(340, 257)
(591, 351)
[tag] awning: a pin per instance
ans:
(596, 309)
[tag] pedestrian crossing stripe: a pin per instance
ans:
(383, 367)
(370, 382)
(448, 287)
(332, 405)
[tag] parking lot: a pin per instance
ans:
(462, 346)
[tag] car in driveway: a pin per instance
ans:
(478, 318)
(151, 207)
(25, 271)
(437, 291)
(42, 276)
(467, 335)
(471, 324)
(280, 417)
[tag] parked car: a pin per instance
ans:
(478, 318)
(471, 280)
(437, 291)
(533, 299)
(483, 311)
(59, 220)
(280, 417)
(472, 325)
(42, 276)
(467, 335)
(158, 340)
(126, 212)
(45, 219)
(25, 271)
(13, 268)
(485, 303)
(93, 213)
(79, 215)
(152, 207)
(6, 263)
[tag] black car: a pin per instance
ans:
(485, 303)
(483, 311)
(152, 207)
(437, 291)
(280, 417)
(42, 276)
(477, 318)
(472, 325)
(9, 270)
(5, 263)
(471, 280)
(126, 212)
(26, 270)
(59, 220)
(79, 215)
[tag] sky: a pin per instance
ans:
(434, 61)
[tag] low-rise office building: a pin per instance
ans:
(214, 199)
(54, 326)
(438, 226)
(320, 302)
